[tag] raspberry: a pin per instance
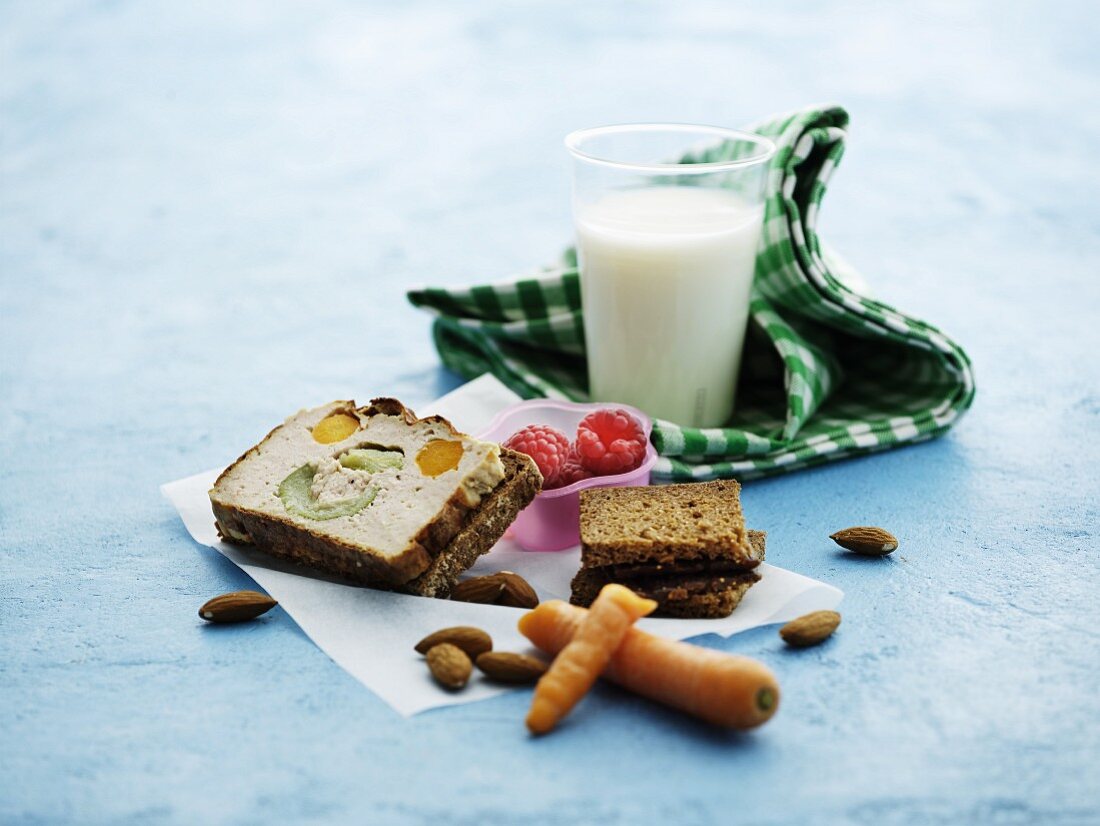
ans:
(548, 447)
(610, 441)
(572, 471)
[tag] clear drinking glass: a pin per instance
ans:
(667, 251)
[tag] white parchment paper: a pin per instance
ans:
(371, 634)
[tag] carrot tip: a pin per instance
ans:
(765, 699)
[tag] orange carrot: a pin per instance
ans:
(582, 658)
(723, 689)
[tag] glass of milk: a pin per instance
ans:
(667, 252)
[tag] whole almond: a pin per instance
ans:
(517, 593)
(449, 665)
(483, 589)
(472, 640)
(506, 667)
(238, 606)
(810, 629)
(866, 541)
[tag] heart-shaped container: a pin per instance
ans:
(552, 521)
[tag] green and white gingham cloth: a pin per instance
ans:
(828, 373)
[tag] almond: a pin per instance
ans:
(506, 667)
(517, 593)
(866, 541)
(238, 606)
(810, 629)
(501, 588)
(449, 665)
(471, 640)
(483, 589)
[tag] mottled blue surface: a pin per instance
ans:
(208, 215)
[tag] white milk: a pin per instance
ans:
(665, 279)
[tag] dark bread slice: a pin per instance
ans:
(719, 601)
(668, 523)
(687, 596)
(478, 530)
(708, 606)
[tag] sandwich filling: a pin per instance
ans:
(676, 581)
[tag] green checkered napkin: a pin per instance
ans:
(828, 373)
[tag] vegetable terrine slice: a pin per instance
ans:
(374, 495)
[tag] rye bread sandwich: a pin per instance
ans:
(374, 495)
(685, 546)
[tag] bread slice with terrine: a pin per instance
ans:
(374, 495)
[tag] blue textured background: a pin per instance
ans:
(209, 212)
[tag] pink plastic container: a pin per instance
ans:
(552, 521)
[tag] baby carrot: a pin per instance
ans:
(581, 659)
(723, 689)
